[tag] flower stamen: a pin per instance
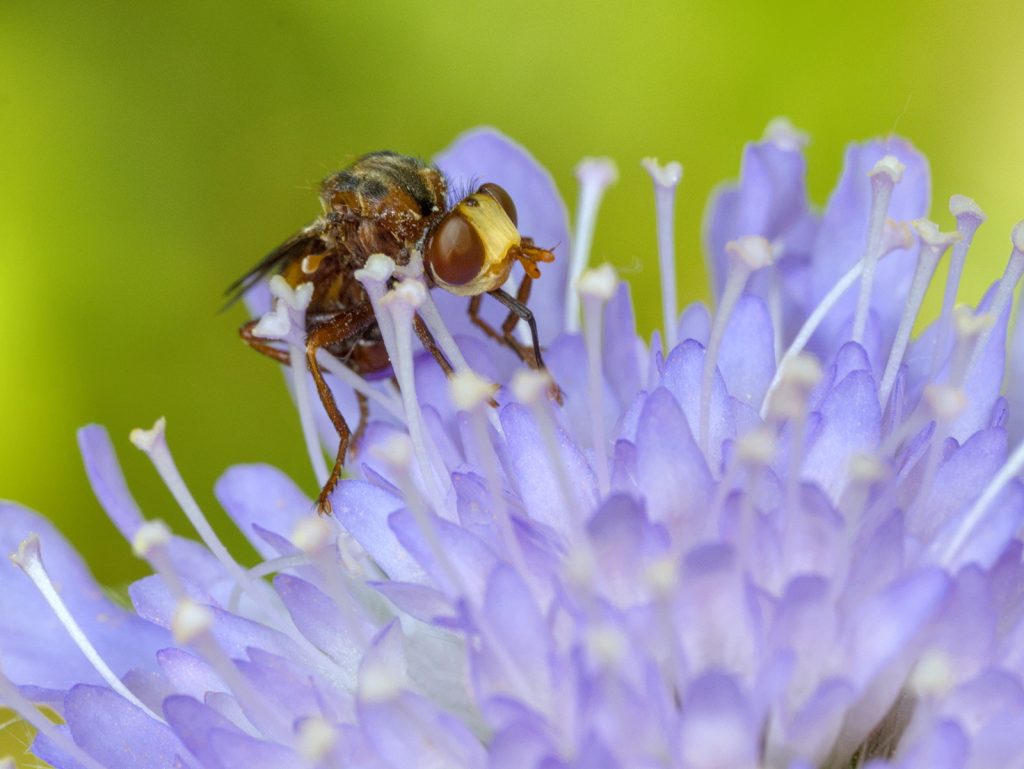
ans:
(968, 218)
(884, 176)
(933, 245)
(666, 179)
(594, 176)
(29, 559)
(596, 287)
(897, 236)
(1004, 292)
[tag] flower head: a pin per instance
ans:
(783, 534)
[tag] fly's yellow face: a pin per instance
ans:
(472, 249)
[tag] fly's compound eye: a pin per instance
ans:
(455, 252)
(503, 198)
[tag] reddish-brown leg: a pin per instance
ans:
(343, 326)
(364, 416)
(430, 345)
(261, 345)
(517, 311)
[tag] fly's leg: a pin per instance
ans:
(364, 417)
(261, 345)
(343, 326)
(518, 311)
(430, 345)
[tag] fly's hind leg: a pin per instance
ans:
(343, 326)
(261, 345)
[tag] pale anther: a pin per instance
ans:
(891, 166)
(316, 739)
(606, 645)
(867, 468)
(469, 390)
(961, 205)
(599, 282)
(312, 534)
(668, 175)
(783, 134)
(149, 535)
(933, 675)
(379, 683)
(530, 386)
(378, 267)
(969, 325)
(662, 576)
(756, 447)
(147, 440)
(190, 620)
(396, 451)
(751, 252)
(944, 401)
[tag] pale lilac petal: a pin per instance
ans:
(747, 356)
(851, 425)
(486, 155)
(671, 471)
(535, 476)
(261, 494)
(117, 733)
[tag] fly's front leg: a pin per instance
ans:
(518, 311)
(343, 326)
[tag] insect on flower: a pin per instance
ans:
(392, 204)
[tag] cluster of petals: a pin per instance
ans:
(782, 533)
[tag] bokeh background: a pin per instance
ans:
(151, 152)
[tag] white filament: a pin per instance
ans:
(886, 173)
(29, 560)
(594, 176)
(666, 179)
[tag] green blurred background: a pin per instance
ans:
(151, 152)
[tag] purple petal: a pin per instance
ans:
(116, 733)
(363, 510)
(959, 480)
(945, 747)
(683, 376)
(983, 382)
(467, 556)
(747, 355)
(770, 200)
(671, 470)
(107, 480)
(261, 494)
(486, 155)
(536, 476)
(195, 723)
(717, 728)
(851, 424)
(624, 355)
(624, 543)
(318, 618)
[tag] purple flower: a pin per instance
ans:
(784, 534)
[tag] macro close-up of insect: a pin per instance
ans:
(396, 205)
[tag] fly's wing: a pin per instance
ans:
(304, 243)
